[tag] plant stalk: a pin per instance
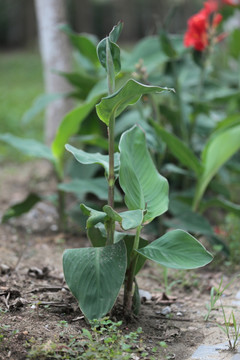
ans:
(130, 275)
(111, 178)
(62, 218)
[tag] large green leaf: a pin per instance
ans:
(220, 147)
(70, 126)
(179, 149)
(28, 147)
(177, 249)
(95, 276)
(127, 219)
(96, 186)
(129, 94)
(93, 158)
(21, 207)
(143, 186)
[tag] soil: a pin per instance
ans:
(35, 301)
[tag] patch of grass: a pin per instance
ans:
(105, 340)
(21, 82)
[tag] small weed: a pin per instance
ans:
(104, 340)
(215, 295)
(231, 329)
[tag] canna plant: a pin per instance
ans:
(96, 274)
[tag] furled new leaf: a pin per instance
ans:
(93, 158)
(113, 47)
(28, 147)
(177, 249)
(129, 94)
(95, 276)
(143, 186)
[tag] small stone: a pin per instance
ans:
(145, 295)
(165, 311)
(179, 313)
(53, 227)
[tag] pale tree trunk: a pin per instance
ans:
(56, 55)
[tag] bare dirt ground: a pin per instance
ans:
(35, 302)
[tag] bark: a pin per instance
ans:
(56, 55)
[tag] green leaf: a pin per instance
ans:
(70, 126)
(148, 51)
(220, 147)
(116, 32)
(167, 46)
(95, 216)
(84, 43)
(21, 207)
(136, 299)
(186, 219)
(94, 158)
(234, 43)
(179, 149)
(220, 203)
(40, 104)
(95, 276)
(129, 94)
(113, 47)
(28, 147)
(178, 250)
(127, 219)
(96, 236)
(143, 186)
(129, 242)
(81, 80)
(96, 186)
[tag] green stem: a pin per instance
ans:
(111, 178)
(130, 274)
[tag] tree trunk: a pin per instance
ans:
(55, 51)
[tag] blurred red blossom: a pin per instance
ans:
(231, 2)
(202, 25)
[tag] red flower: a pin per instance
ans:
(231, 2)
(200, 27)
